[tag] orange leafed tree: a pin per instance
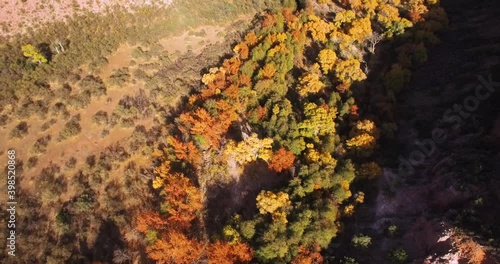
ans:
(269, 20)
(251, 39)
(175, 247)
(167, 232)
(226, 253)
(183, 200)
(242, 50)
(184, 151)
(268, 71)
(232, 65)
(281, 160)
(201, 123)
(307, 256)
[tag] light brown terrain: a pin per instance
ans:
(17, 16)
(90, 141)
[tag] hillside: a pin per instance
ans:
(359, 131)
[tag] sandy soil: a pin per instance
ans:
(89, 141)
(16, 15)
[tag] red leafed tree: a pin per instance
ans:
(226, 253)
(281, 160)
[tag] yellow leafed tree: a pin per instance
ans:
(320, 120)
(348, 71)
(344, 17)
(274, 204)
(250, 149)
(327, 59)
(360, 29)
(319, 28)
(31, 52)
(310, 83)
(268, 71)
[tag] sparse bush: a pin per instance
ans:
(73, 77)
(98, 63)
(30, 108)
(71, 128)
(114, 119)
(119, 77)
(140, 74)
(397, 256)
(348, 260)
(84, 202)
(63, 219)
(80, 100)
(20, 130)
(104, 133)
(51, 183)
(64, 92)
(127, 122)
(45, 126)
(100, 118)
(59, 108)
(392, 230)
(4, 120)
(361, 241)
(139, 53)
(71, 163)
(94, 85)
(138, 138)
(41, 144)
(32, 161)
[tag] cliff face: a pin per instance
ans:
(448, 171)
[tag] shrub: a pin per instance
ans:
(98, 63)
(348, 260)
(84, 202)
(397, 256)
(139, 53)
(141, 75)
(361, 241)
(29, 108)
(59, 108)
(41, 144)
(127, 122)
(20, 130)
(71, 128)
(63, 219)
(104, 133)
(71, 163)
(64, 92)
(119, 77)
(45, 126)
(94, 85)
(392, 230)
(80, 100)
(114, 119)
(4, 120)
(100, 118)
(32, 161)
